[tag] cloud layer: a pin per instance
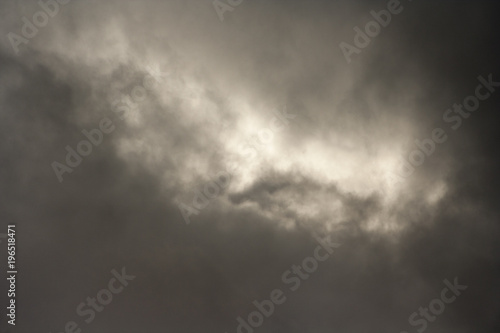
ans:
(331, 170)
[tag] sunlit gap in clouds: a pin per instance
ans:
(183, 104)
(227, 137)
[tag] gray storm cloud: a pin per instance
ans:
(190, 97)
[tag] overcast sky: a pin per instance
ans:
(301, 139)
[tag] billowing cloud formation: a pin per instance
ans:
(299, 144)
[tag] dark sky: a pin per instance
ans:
(209, 91)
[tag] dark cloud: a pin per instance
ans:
(328, 173)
